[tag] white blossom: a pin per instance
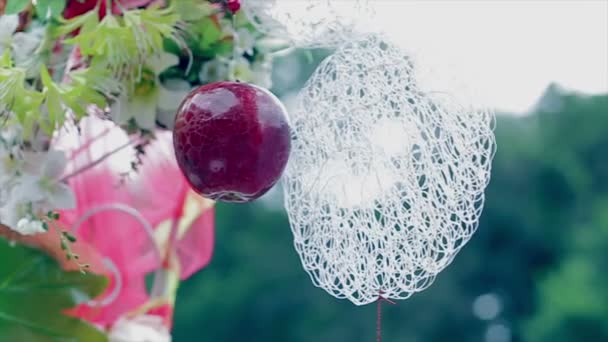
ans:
(158, 100)
(171, 94)
(30, 185)
(262, 73)
(8, 26)
(240, 69)
(30, 226)
(22, 44)
(141, 109)
(143, 328)
(12, 210)
(44, 185)
(8, 166)
(245, 41)
(214, 70)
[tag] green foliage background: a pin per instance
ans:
(541, 248)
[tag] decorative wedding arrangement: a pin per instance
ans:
(123, 121)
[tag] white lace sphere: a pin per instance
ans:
(308, 23)
(386, 178)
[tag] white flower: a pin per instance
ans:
(12, 210)
(143, 328)
(259, 72)
(31, 186)
(214, 70)
(8, 166)
(22, 44)
(8, 26)
(240, 69)
(171, 94)
(140, 108)
(150, 98)
(30, 226)
(41, 183)
(245, 41)
(11, 134)
(262, 74)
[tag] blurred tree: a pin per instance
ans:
(573, 299)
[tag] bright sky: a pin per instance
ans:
(508, 51)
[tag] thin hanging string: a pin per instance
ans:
(379, 316)
(379, 321)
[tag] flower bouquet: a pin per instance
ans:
(89, 90)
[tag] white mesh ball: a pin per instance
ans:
(308, 23)
(386, 177)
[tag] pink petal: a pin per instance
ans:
(115, 235)
(195, 248)
(160, 194)
(160, 190)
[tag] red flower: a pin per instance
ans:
(233, 5)
(75, 8)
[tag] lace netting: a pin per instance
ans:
(386, 178)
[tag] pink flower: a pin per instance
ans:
(105, 219)
(139, 227)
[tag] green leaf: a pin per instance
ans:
(63, 26)
(45, 77)
(88, 86)
(170, 45)
(241, 20)
(46, 9)
(5, 60)
(34, 293)
(53, 102)
(29, 118)
(223, 47)
(210, 32)
(56, 111)
(189, 10)
(15, 6)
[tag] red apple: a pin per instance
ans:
(232, 140)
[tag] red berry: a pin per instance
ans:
(232, 140)
(234, 5)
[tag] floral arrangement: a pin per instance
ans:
(64, 61)
(86, 85)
